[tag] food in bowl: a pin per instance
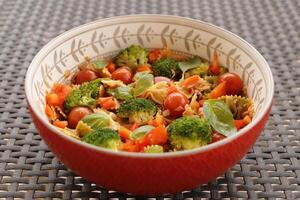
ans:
(150, 101)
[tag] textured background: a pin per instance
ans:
(270, 169)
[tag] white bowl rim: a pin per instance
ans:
(269, 98)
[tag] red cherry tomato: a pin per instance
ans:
(123, 74)
(76, 115)
(234, 84)
(161, 78)
(175, 103)
(84, 75)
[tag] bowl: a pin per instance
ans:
(148, 174)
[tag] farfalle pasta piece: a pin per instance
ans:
(158, 92)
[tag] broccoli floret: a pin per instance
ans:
(202, 70)
(85, 95)
(137, 110)
(189, 132)
(166, 67)
(103, 137)
(132, 57)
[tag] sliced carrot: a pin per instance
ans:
(191, 81)
(62, 92)
(130, 146)
(157, 136)
(124, 132)
(49, 112)
(218, 91)
(144, 68)
(154, 55)
(52, 99)
(107, 103)
(172, 88)
(215, 67)
(239, 123)
(134, 126)
(60, 124)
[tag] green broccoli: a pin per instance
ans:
(137, 110)
(132, 56)
(189, 132)
(167, 67)
(103, 137)
(85, 95)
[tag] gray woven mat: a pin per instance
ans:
(270, 170)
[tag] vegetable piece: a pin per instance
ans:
(108, 103)
(157, 136)
(189, 64)
(122, 92)
(189, 132)
(132, 57)
(124, 132)
(218, 91)
(158, 120)
(50, 112)
(140, 132)
(52, 99)
(215, 67)
(172, 88)
(239, 106)
(134, 126)
(202, 71)
(158, 79)
(99, 64)
(191, 81)
(234, 84)
(76, 115)
(85, 95)
(219, 116)
(111, 67)
(123, 74)
(153, 149)
(103, 137)
(130, 146)
(60, 124)
(241, 123)
(144, 68)
(83, 76)
(175, 103)
(154, 55)
(58, 94)
(137, 110)
(167, 67)
(217, 137)
(143, 82)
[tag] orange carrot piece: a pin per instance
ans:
(49, 112)
(157, 121)
(191, 81)
(130, 146)
(218, 91)
(107, 103)
(52, 99)
(172, 88)
(144, 68)
(124, 132)
(60, 124)
(154, 55)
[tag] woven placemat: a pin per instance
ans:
(271, 168)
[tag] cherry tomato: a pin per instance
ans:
(175, 103)
(123, 74)
(217, 137)
(84, 75)
(234, 84)
(76, 115)
(161, 78)
(111, 67)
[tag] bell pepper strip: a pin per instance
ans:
(144, 68)
(124, 132)
(157, 136)
(218, 91)
(191, 81)
(60, 124)
(215, 67)
(107, 103)
(130, 146)
(154, 55)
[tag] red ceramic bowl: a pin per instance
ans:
(138, 173)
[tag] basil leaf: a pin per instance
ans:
(191, 63)
(122, 92)
(97, 120)
(219, 116)
(140, 132)
(143, 82)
